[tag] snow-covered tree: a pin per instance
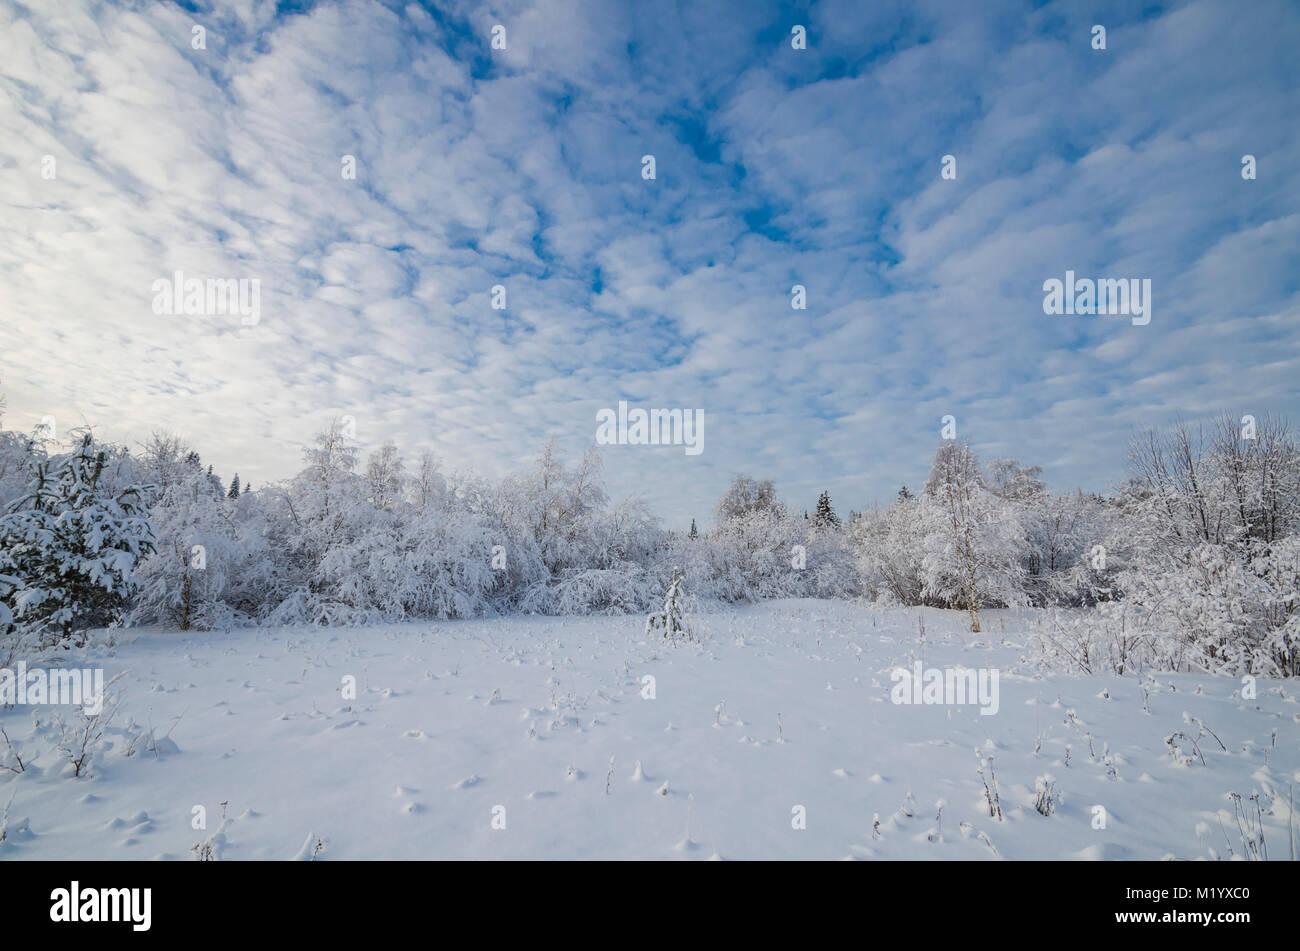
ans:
(319, 513)
(957, 486)
(209, 557)
(68, 546)
(17, 454)
(829, 569)
(890, 547)
(826, 517)
(1012, 482)
(745, 496)
(1204, 545)
(671, 618)
(1065, 549)
(429, 485)
(385, 476)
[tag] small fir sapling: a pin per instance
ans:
(671, 619)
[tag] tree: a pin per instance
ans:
(209, 551)
(429, 484)
(890, 545)
(754, 556)
(234, 488)
(166, 460)
(1061, 532)
(694, 533)
(904, 494)
(954, 481)
(385, 476)
(214, 481)
(16, 455)
(323, 504)
(826, 516)
(1023, 493)
(1009, 480)
(671, 619)
(68, 548)
(330, 473)
(1204, 546)
(745, 496)
(560, 507)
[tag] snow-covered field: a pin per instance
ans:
(545, 726)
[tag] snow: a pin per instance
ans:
(780, 705)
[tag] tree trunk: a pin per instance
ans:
(185, 601)
(972, 605)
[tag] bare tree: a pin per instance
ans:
(1218, 487)
(428, 484)
(1259, 475)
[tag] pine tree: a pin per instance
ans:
(904, 494)
(826, 516)
(694, 531)
(67, 548)
(234, 488)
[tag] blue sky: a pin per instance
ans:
(775, 166)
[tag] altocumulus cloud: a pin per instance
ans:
(774, 167)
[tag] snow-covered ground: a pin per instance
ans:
(782, 705)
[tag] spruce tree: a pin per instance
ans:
(234, 488)
(214, 480)
(68, 548)
(826, 516)
(671, 620)
(694, 532)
